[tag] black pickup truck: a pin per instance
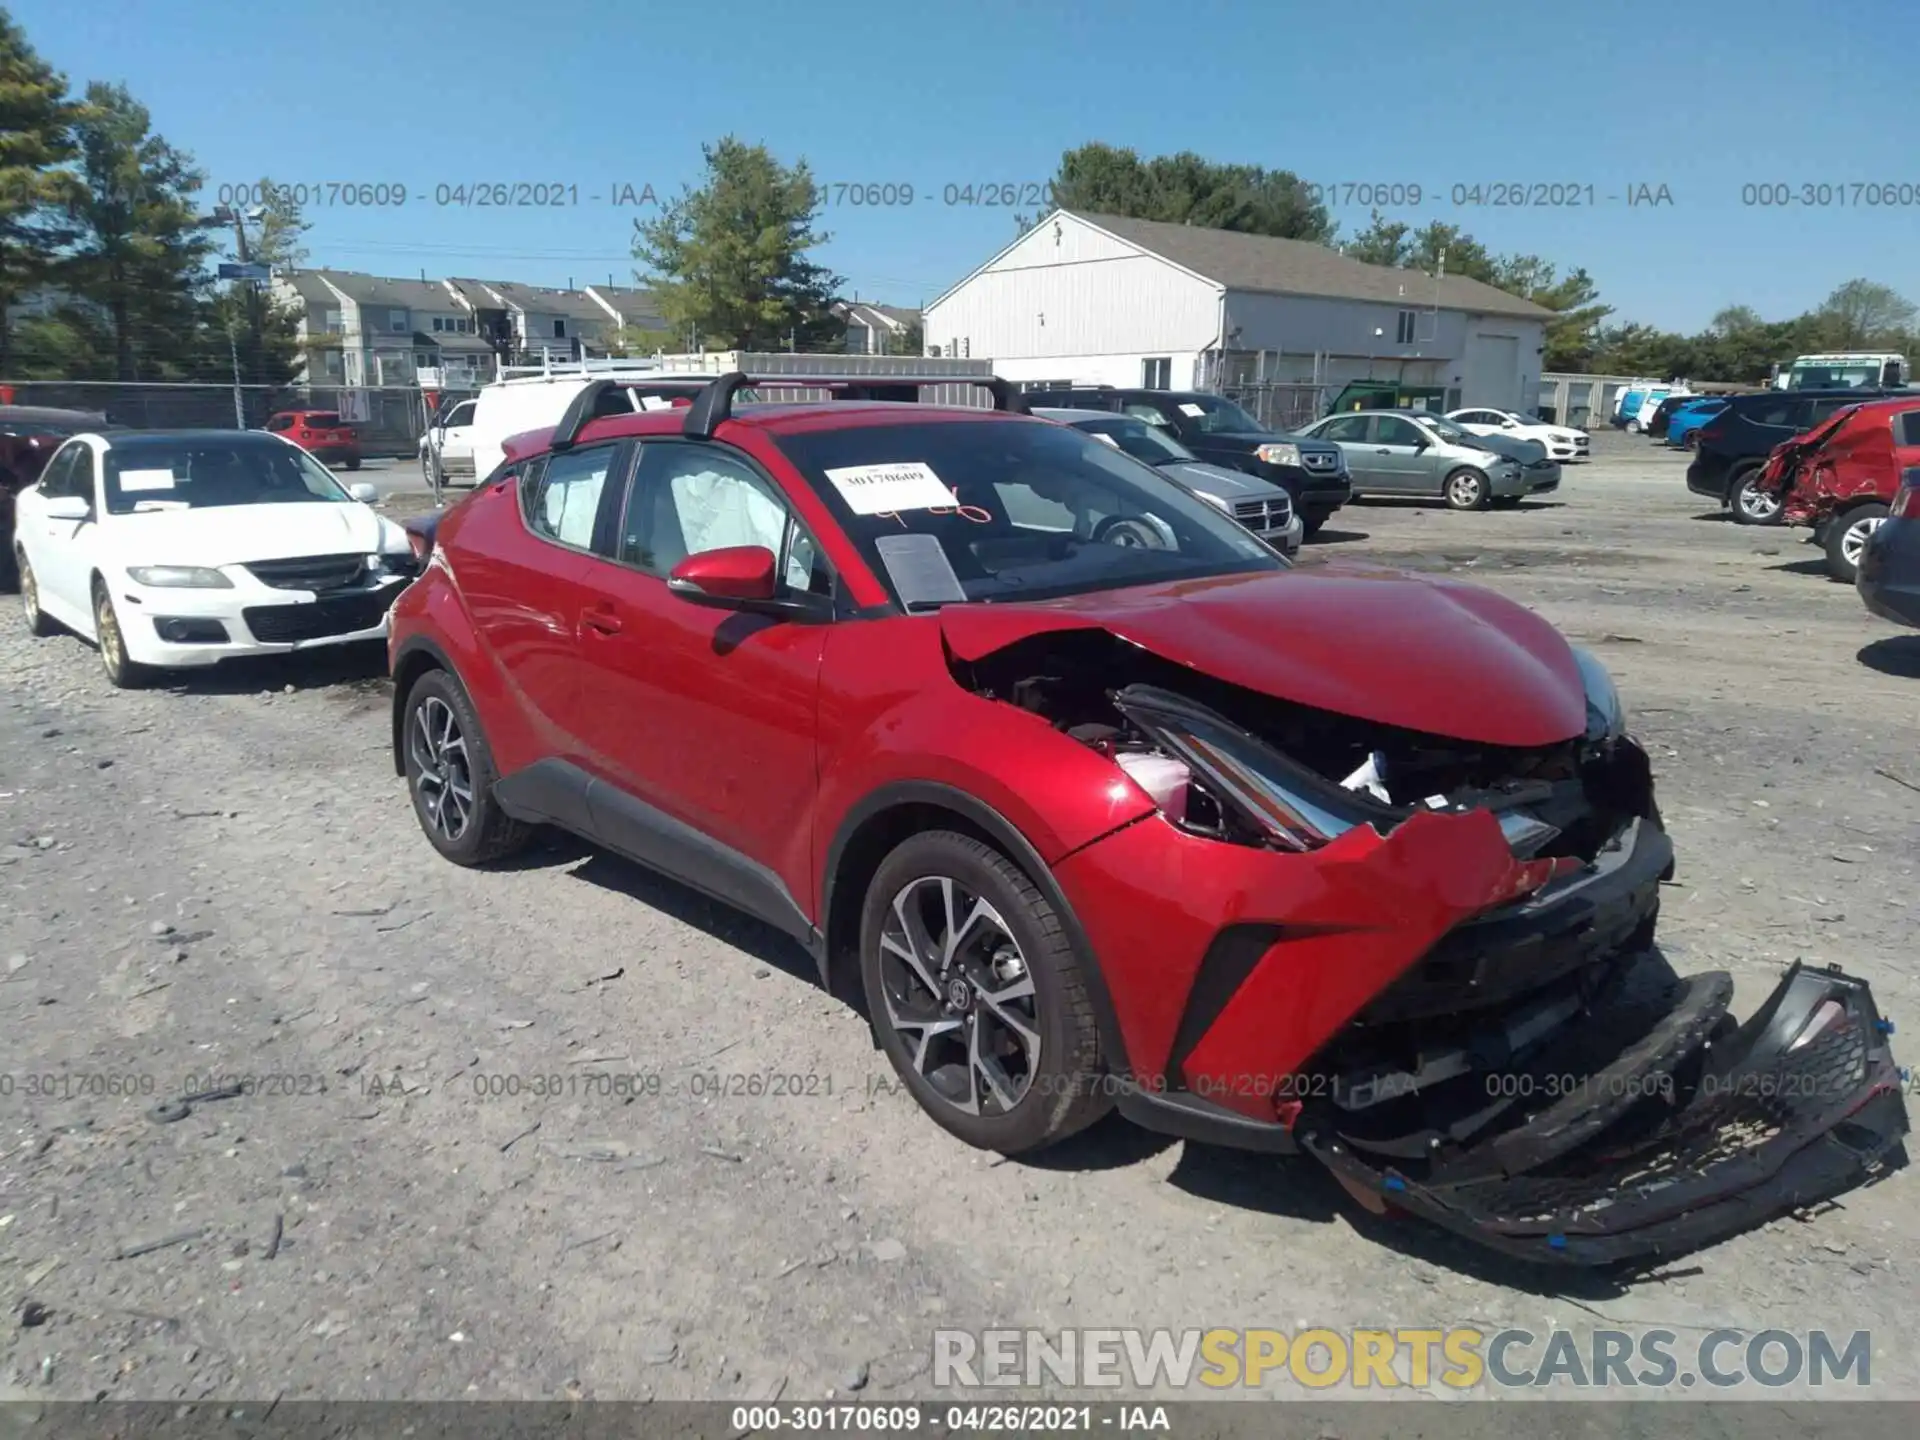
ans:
(1312, 472)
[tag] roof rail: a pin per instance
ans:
(714, 404)
(608, 396)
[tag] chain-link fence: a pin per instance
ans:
(390, 419)
(1279, 405)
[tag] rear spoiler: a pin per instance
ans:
(713, 398)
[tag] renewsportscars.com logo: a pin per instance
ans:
(1458, 1358)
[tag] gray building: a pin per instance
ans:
(878, 329)
(1102, 299)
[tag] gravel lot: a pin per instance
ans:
(439, 1190)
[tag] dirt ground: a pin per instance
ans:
(439, 1189)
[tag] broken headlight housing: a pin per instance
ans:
(1261, 795)
(1606, 716)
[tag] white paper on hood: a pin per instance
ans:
(132, 480)
(887, 489)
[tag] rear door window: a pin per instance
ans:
(566, 502)
(1906, 428)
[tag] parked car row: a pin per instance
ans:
(1399, 453)
(1084, 793)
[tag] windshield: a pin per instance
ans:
(1834, 377)
(164, 472)
(1043, 511)
(1137, 438)
(1447, 430)
(1213, 416)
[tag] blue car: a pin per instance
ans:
(1689, 418)
(1628, 408)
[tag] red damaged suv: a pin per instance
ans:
(1841, 478)
(1090, 799)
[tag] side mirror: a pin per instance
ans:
(366, 494)
(737, 576)
(67, 507)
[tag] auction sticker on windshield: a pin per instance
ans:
(146, 480)
(1196, 411)
(885, 489)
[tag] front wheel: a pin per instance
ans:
(1633, 427)
(1466, 489)
(1310, 523)
(38, 625)
(122, 672)
(354, 463)
(977, 996)
(450, 775)
(1752, 505)
(1847, 539)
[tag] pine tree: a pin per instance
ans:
(140, 250)
(36, 139)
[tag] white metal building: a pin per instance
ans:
(1105, 299)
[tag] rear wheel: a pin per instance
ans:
(976, 995)
(354, 463)
(122, 672)
(1752, 506)
(450, 775)
(1633, 427)
(1466, 489)
(1846, 540)
(38, 625)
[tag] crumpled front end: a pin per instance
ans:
(1430, 964)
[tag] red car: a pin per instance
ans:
(321, 433)
(29, 434)
(1841, 478)
(1091, 798)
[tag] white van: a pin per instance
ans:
(535, 397)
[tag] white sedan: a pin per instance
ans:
(1562, 441)
(184, 548)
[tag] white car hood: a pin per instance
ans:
(236, 534)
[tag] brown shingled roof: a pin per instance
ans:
(1299, 267)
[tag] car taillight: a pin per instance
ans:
(1906, 504)
(1711, 432)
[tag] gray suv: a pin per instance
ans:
(1412, 452)
(1262, 506)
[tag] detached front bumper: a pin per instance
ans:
(184, 628)
(1443, 1025)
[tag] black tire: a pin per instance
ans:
(1311, 523)
(1130, 533)
(486, 833)
(122, 672)
(1466, 489)
(1633, 427)
(1065, 1088)
(1846, 539)
(1506, 502)
(38, 625)
(354, 463)
(1749, 506)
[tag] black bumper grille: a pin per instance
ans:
(311, 572)
(337, 615)
(1320, 462)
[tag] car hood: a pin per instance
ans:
(1251, 440)
(1218, 480)
(1513, 449)
(1417, 652)
(237, 534)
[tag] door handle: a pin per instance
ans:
(604, 620)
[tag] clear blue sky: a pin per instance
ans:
(1702, 98)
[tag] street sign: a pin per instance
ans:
(230, 270)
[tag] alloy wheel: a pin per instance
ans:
(29, 594)
(1853, 544)
(106, 626)
(1464, 491)
(443, 778)
(1759, 506)
(959, 995)
(1133, 535)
